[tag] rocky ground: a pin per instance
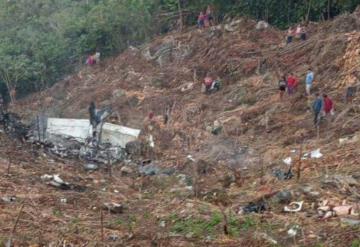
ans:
(200, 189)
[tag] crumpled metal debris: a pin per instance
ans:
(13, 125)
(283, 175)
(55, 181)
(112, 207)
(294, 207)
(255, 207)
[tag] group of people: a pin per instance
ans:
(299, 32)
(290, 83)
(206, 19)
(322, 106)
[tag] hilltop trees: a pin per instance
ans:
(43, 40)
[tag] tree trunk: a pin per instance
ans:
(308, 12)
(180, 16)
(328, 9)
(288, 12)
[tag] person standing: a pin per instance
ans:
(317, 108)
(309, 81)
(292, 83)
(303, 33)
(209, 15)
(201, 20)
(289, 35)
(328, 105)
(282, 86)
(208, 82)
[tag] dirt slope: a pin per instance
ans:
(259, 131)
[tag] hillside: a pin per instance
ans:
(231, 169)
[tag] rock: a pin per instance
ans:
(351, 222)
(261, 25)
(342, 210)
(168, 171)
(125, 170)
(162, 224)
(91, 167)
(133, 147)
(113, 207)
(149, 170)
(8, 199)
(113, 237)
(283, 197)
(118, 93)
(262, 235)
(283, 175)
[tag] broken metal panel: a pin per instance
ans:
(118, 135)
(80, 129)
(76, 128)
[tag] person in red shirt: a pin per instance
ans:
(292, 83)
(201, 20)
(328, 105)
(90, 60)
(208, 81)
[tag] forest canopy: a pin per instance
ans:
(41, 41)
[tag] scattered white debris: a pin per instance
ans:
(294, 207)
(293, 231)
(55, 180)
(288, 161)
(189, 157)
(162, 224)
(316, 154)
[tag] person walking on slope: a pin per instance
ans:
(309, 81)
(328, 105)
(300, 32)
(209, 16)
(289, 35)
(282, 86)
(317, 107)
(201, 20)
(292, 83)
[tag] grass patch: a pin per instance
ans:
(355, 243)
(199, 227)
(196, 226)
(57, 213)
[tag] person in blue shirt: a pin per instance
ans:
(309, 81)
(317, 108)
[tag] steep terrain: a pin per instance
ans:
(200, 204)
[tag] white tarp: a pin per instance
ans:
(80, 129)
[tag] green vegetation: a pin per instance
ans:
(199, 227)
(57, 213)
(41, 41)
(355, 243)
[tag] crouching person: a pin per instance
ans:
(211, 85)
